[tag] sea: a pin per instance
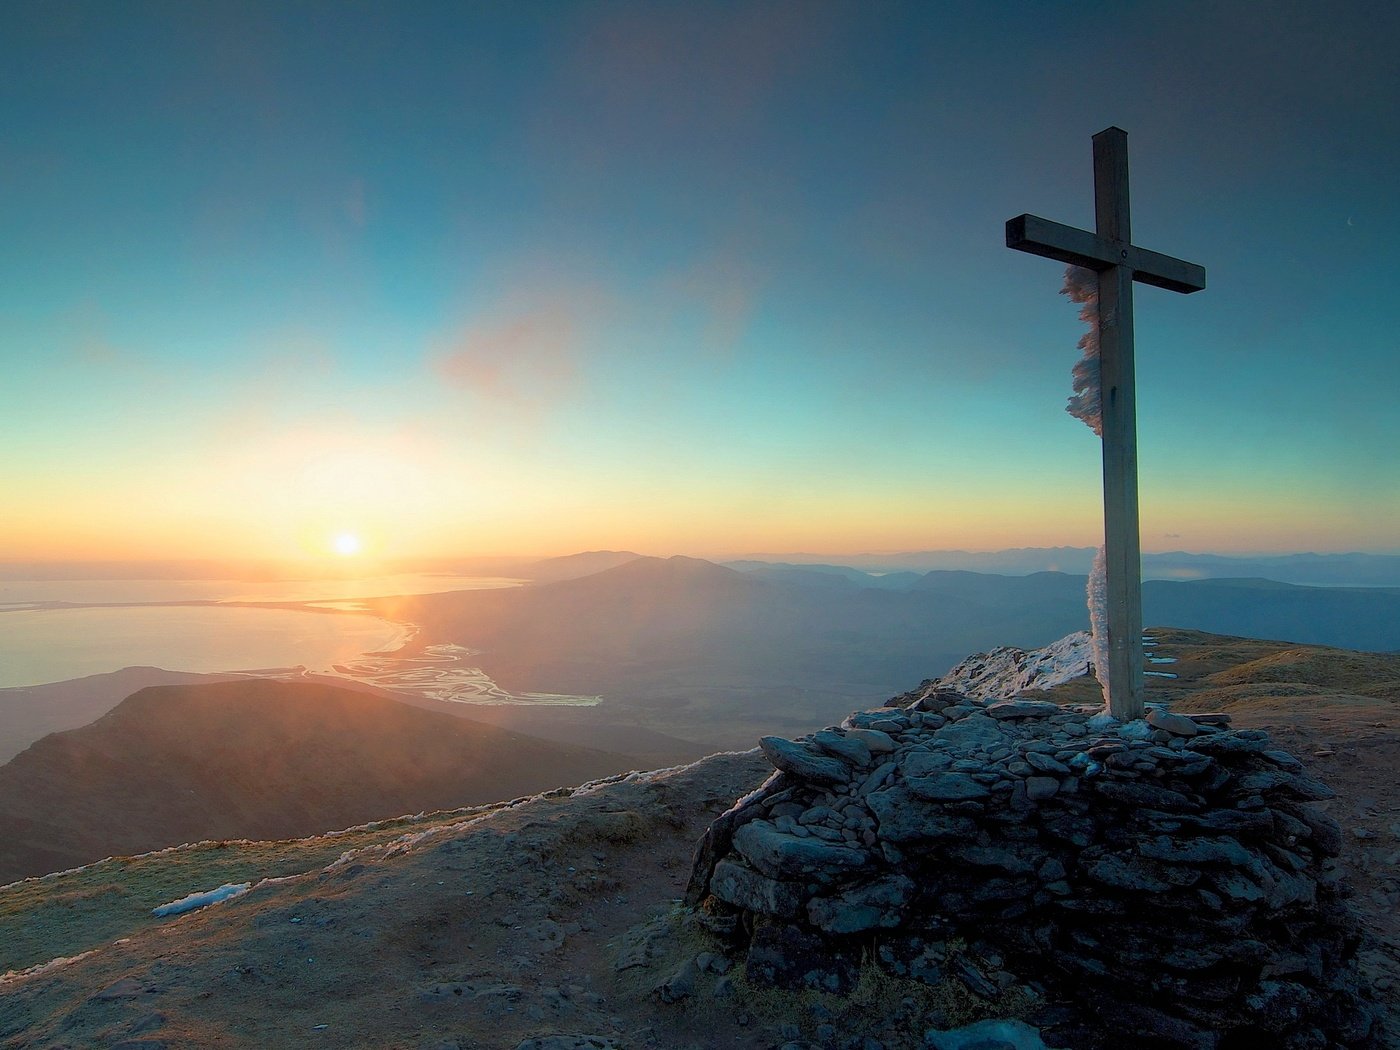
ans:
(58, 630)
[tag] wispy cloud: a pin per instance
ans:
(669, 83)
(526, 349)
(724, 286)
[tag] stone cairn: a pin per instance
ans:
(1165, 881)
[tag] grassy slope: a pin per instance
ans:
(70, 912)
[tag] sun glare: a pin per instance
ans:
(345, 544)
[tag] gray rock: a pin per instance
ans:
(782, 856)
(1229, 742)
(1144, 795)
(879, 743)
(709, 962)
(1299, 784)
(804, 762)
(745, 888)
(1128, 872)
(1177, 725)
(946, 787)
(1326, 832)
(875, 905)
(881, 773)
(1040, 788)
(1047, 764)
(922, 763)
(785, 955)
(1023, 709)
(902, 819)
(817, 815)
(970, 733)
(1283, 760)
(1234, 822)
(1238, 888)
(1003, 858)
(1212, 718)
(972, 978)
(569, 1042)
(849, 749)
(1197, 851)
(680, 985)
(1051, 871)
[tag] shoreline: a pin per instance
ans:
(408, 663)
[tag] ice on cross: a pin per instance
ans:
(1110, 253)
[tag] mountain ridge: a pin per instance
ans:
(257, 758)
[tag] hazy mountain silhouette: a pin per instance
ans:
(1319, 570)
(572, 566)
(33, 711)
(821, 575)
(257, 759)
(698, 649)
(1348, 617)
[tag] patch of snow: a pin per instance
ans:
(1159, 674)
(1005, 671)
(1011, 1035)
(1001, 673)
(1137, 729)
(1100, 722)
(225, 892)
(53, 964)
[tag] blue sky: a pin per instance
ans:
(711, 278)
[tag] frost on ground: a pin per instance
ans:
(199, 900)
(1005, 671)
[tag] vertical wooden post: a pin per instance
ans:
(1122, 549)
(1109, 251)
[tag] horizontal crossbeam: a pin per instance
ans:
(1053, 240)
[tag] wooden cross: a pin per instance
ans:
(1110, 252)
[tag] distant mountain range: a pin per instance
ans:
(1319, 570)
(714, 654)
(257, 759)
(690, 656)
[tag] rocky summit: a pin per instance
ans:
(1168, 881)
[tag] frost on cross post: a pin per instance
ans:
(1117, 262)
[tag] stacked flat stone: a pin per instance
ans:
(1168, 880)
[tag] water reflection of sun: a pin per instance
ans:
(345, 544)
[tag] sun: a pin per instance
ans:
(346, 544)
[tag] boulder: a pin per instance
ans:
(780, 855)
(804, 762)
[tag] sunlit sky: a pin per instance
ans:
(472, 279)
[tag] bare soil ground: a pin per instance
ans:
(555, 916)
